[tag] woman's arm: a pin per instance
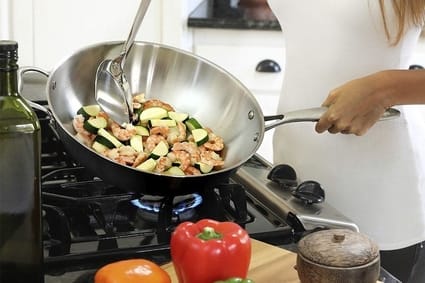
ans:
(355, 106)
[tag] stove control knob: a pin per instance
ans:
(310, 192)
(284, 175)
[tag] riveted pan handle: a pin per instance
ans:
(313, 115)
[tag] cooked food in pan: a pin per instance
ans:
(160, 140)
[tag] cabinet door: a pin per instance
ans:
(49, 30)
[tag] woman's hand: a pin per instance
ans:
(355, 106)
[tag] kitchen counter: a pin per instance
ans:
(228, 14)
(268, 264)
(272, 264)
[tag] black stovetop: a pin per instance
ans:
(88, 223)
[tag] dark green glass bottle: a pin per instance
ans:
(21, 250)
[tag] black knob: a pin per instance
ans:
(268, 66)
(310, 192)
(284, 175)
(415, 67)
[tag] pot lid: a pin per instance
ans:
(338, 248)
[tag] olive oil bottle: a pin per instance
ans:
(21, 251)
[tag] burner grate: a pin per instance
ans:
(88, 222)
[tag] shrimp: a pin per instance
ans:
(163, 163)
(82, 134)
(137, 102)
(161, 130)
(152, 141)
(211, 158)
(214, 142)
(123, 134)
(177, 134)
(181, 157)
(78, 124)
(139, 98)
(125, 155)
(85, 139)
(189, 147)
(140, 158)
(157, 103)
(192, 171)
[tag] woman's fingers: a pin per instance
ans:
(346, 123)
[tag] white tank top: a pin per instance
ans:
(377, 180)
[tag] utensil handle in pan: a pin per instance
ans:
(143, 7)
(313, 115)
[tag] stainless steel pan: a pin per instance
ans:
(186, 81)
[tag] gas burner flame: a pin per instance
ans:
(181, 203)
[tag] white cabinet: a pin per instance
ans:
(239, 52)
(49, 30)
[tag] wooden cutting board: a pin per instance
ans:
(269, 264)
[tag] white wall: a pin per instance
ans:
(49, 30)
(4, 18)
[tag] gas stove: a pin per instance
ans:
(88, 223)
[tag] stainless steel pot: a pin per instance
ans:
(188, 82)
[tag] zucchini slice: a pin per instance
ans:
(203, 167)
(136, 142)
(192, 124)
(162, 123)
(99, 147)
(178, 116)
(89, 111)
(142, 131)
(174, 170)
(103, 141)
(93, 125)
(161, 149)
(147, 165)
(104, 133)
(176, 163)
(200, 136)
(153, 113)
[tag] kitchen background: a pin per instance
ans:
(241, 36)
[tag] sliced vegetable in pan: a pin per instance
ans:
(89, 111)
(162, 140)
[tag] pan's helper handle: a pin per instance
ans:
(313, 115)
(21, 72)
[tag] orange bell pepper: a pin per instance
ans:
(209, 250)
(132, 271)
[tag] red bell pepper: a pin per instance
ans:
(209, 250)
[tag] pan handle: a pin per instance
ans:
(313, 115)
(21, 72)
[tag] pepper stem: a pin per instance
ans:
(208, 233)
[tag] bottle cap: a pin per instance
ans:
(8, 45)
(8, 55)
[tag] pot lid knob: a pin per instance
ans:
(338, 238)
(338, 248)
